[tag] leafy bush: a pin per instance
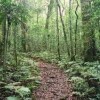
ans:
(79, 84)
(20, 91)
(48, 56)
(20, 79)
(85, 78)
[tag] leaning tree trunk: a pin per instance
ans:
(89, 37)
(64, 30)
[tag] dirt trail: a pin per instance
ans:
(54, 84)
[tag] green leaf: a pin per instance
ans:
(23, 91)
(12, 98)
(11, 87)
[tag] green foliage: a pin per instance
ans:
(26, 69)
(79, 84)
(29, 17)
(21, 91)
(13, 98)
(96, 9)
(47, 56)
(25, 66)
(85, 78)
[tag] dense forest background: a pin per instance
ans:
(65, 32)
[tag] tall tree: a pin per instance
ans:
(89, 36)
(58, 37)
(50, 7)
(76, 26)
(15, 38)
(72, 57)
(24, 25)
(63, 26)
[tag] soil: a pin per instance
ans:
(54, 83)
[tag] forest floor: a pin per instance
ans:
(54, 83)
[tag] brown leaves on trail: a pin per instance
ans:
(54, 84)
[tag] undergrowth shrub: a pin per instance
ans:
(47, 56)
(80, 84)
(20, 80)
(85, 78)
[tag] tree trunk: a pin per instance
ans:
(4, 41)
(50, 7)
(76, 26)
(1, 53)
(89, 37)
(72, 57)
(64, 30)
(1, 47)
(15, 48)
(23, 28)
(57, 25)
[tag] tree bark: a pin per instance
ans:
(89, 36)
(1, 48)
(4, 41)
(23, 28)
(72, 57)
(15, 48)
(57, 25)
(50, 7)
(76, 27)
(64, 30)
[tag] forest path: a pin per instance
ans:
(54, 83)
